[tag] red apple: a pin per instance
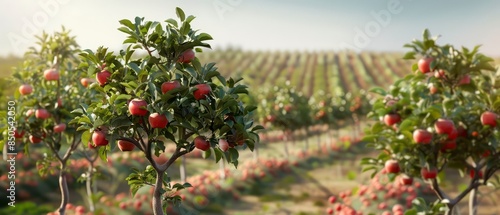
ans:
(17, 134)
(29, 112)
(270, 118)
(167, 86)
(382, 206)
(51, 75)
(444, 126)
(430, 173)
(433, 89)
(449, 145)
(137, 107)
(201, 143)
(397, 208)
(406, 180)
(424, 64)
(329, 211)
(186, 56)
(99, 138)
(86, 81)
(461, 131)
(391, 119)
(392, 166)
(422, 136)
(439, 74)
(465, 80)
(472, 173)
(332, 199)
(80, 209)
(59, 128)
(59, 103)
(453, 135)
(102, 77)
(223, 145)
(42, 114)
(157, 120)
(161, 159)
(489, 118)
(34, 139)
(125, 146)
(91, 145)
(202, 90)
(25, 89)
(123, 205)
(137, 205)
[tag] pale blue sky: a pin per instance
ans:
(264, 25)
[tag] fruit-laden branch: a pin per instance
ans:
(133, 141)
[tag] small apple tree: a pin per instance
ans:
(429, 133)
(156, 92)
(49, 89)
(286, 109)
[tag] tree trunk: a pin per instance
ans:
(63, 185)
(285, 143)
(157, 204)
(473, 202)
(90, 194)
(222, 171)
(256, 151)
(306, 147)
(318, 139)
(183, 169)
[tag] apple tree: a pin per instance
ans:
(49, 89)
(155, 93)
(285, 109)
(440, 120)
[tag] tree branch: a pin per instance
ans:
(473, 184)
(178, 153)
(437, 189)
(72, 147)
(137, 144)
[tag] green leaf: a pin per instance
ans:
(218, 154)
(172, 22)
(409, 56)
(258, 127)
(378, 90)
(351, 175)
(180, 14)
(204, 36)
(412, 211)
(86, 137)
(103, 153)
(407, 124)
(135, 67)
(207, 154)
(127, 23)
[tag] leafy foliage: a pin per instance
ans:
(457, 99)
(219, 114)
